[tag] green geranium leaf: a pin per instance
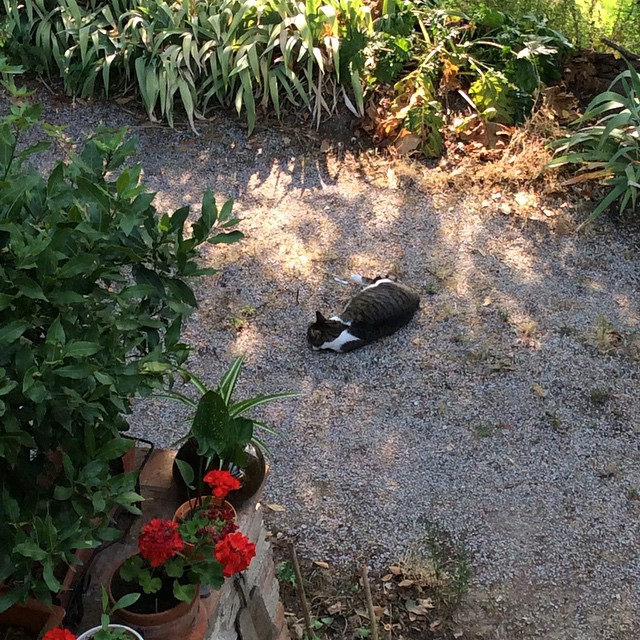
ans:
(185, 593)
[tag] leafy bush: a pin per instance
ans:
(498, 63)
(249, 53)
(93, 292)
(609, 149)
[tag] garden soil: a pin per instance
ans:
(505, 417)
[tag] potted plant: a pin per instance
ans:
(222, 436)
(212, 515)
(106, 630)
(93, 294)
(32, 618)
(169, 577)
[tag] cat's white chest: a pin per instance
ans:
(337, 343)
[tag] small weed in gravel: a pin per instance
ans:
(483, 430)
(599, 397)
(633, 493)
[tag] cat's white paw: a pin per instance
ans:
(357, 278)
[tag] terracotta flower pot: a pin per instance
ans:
(87, 635)
(183, 511)
(32, 616)
(172, 620)
(251, 475)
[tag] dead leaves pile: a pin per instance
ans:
(404, 604)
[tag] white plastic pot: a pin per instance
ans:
(87, 635)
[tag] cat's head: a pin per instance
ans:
(323, 330)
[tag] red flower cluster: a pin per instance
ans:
(222, 518)
(234, 553)
(159, 540)
(59, 634)
(221, 482)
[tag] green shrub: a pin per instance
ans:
(93, 292)
(425, 52)
(248, 53)
(606, 147)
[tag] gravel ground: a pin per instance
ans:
(506, 414)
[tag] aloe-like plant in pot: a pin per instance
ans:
(222, 435)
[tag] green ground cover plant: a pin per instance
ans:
(606, 145)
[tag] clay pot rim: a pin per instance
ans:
(189, 506)
(150, 619)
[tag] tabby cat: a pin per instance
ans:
(378, 310)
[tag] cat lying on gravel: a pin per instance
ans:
(378, 310)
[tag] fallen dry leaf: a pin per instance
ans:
(321, 564)
(276, 507)
(406, 142)
(395, 569)
(325, 145)
(406, 583)
(334, 608)
(387, 577)
(539, 390)
(417, 609)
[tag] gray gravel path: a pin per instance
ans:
(507, 414)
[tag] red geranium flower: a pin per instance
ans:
(234, 553)
(59, 634)
(159, 540)
(221, 482)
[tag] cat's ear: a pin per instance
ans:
(320, 317)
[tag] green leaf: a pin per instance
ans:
(209, 210)
(185, 593)
(5, 300)
(115, 448)
(51, 581)
(126, 601)
(75, 371)
(93, 192)
(6, 387)
(211, 424)
(62, 493)
(30, 549)
(11, 331)
(29, 288)
(186, 471)
(10, 506)
(241, 407)
(131, 568)
(56, 334)
(81, 349)
(8, 598)
(226, 238)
